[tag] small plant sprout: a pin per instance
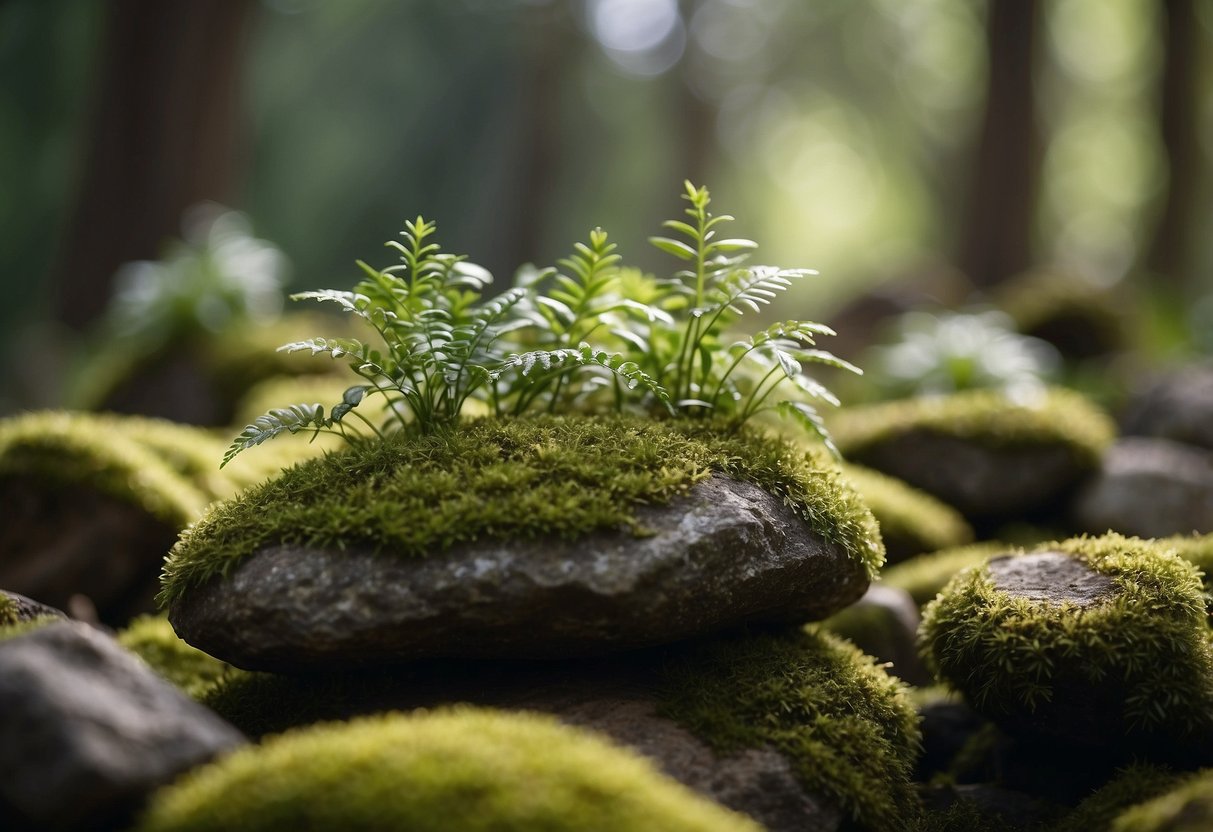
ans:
(586, 337)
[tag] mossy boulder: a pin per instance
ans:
(523, 539)
(151, 638)
(991, 457)
(1099, 642)
(1134, 784)
(459, 770)
(911, 521)
(1186, 808)
(1080, 318)
(799, 729)
(17, 609)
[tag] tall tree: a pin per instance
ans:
(1170, 254)
(997, 227)
(163, 135)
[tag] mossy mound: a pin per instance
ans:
(1132, 785)
(151, 638)
(1186, 808)
(1134, 667)
(847, 726)
(986, 417)
(911, 521)
(1197, 550)
(74, 448)
(925, 575)
(508, 480)
(1078, 317)
(457, 770)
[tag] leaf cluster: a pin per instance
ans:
(586, 336)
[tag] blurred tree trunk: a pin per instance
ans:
(163, 135)
(997, 226)
(1170, 252)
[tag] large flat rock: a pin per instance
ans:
(725, 554)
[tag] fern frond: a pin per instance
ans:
(566, 359)
(291, 419)
(808, 418)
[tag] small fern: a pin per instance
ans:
(533, 346)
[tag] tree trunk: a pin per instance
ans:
(163, 136)
(1170, 252)
(997, 226)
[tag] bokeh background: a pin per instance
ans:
(918, 154)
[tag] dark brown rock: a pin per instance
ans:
(1051, 578)
(983, 482)
(87, 731)
(1178, 407)
(1149, 488)
(59, 540)
(728, 553)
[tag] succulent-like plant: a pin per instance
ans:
(587, 337)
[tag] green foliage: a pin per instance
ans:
(1133, 784)
(439, 347)
(151, 637)
(1146, 646)
(460, 769)
(416, 495)
(845, 724)
(8, 610)
(1186, 808)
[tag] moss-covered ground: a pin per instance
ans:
(460, 769)
(502, 479)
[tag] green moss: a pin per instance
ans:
(460, 769)
(1132, 785)
(1147, 643)
(504, 479)
(845, 724)
(963, 816)
(1186, 808)
(19, 628)
(1197, 550)
(8, 610)
(151, 637)
(1038, 301)
(983, 416)
(71, 448)
(924, 576)
(911, 521)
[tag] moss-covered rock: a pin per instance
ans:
(1099, 641)
(151, 638)
(1186, 808)
(911, 521)
(1083, 320)
(925, 575)
(847, 726)
(991, 457)
(1197, 549)
(458, 770)
(1130, 786)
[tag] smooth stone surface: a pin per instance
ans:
(725, 554)
(1149, 488)
(1178, 407)
(58, 541)
(982, 482)
(87, 731)
(27, 609)
(1050, 578)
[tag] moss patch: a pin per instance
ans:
(1186, 808)
(924, 576)
(982, 416)
(1149, 640)
(464, 769)
(151, 638)
(503, 479)
(74, 448)
(1130, 786)
(911, 521)
(845, 724)
(8, 610)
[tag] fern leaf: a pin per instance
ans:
(807, 417)
(291, 419)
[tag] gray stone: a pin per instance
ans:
(983, 482)
(725, 554)
(26, 609)
(1178, 407)
(884, 624)
(87, 731)
(1149, 488)
(1050, 578)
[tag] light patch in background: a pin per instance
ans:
(641, 37)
